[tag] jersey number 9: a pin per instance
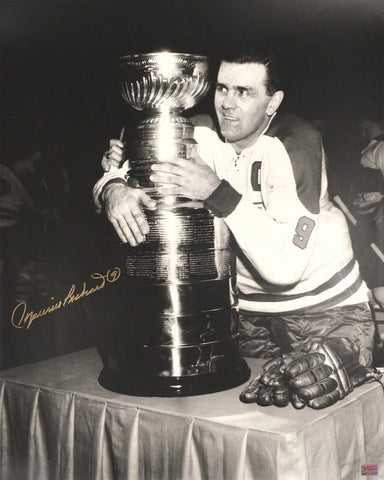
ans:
(303, 231)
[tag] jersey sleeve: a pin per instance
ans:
(279, 236)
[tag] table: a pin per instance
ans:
(58, 423)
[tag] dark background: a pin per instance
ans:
(59, 84)
(59, 95)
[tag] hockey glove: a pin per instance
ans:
(327, 372)
(269, 387)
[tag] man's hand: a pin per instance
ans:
(191, 178)
(123, 206)
(113, 156)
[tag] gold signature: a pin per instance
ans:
(21, 318)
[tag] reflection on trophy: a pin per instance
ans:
(179, 336)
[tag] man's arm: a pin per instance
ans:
(123, 204)
(278, 237)
(113, 176)
(115, 172)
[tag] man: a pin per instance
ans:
(368, 204)
(296, 274)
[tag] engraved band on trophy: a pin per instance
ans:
(181, 279)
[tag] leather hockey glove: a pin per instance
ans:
(326, 372)
(269, 387)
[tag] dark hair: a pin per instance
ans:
(273, 82)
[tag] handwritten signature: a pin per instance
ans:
(21, 318)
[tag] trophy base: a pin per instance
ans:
(183, 386)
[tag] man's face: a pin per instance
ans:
(242, 103)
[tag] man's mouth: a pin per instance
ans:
(229, 118)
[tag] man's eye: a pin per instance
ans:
(242, 92)
(220, 89)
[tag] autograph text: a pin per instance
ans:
(21, 318)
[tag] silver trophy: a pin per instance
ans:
(179, 333)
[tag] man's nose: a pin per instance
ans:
(229, 101)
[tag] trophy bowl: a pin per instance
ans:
(163, 80)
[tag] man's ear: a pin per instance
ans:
(275, 102)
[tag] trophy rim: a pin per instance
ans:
(134, 56)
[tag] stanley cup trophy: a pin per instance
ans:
(179, 334)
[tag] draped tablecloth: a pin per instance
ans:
(58, 423)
